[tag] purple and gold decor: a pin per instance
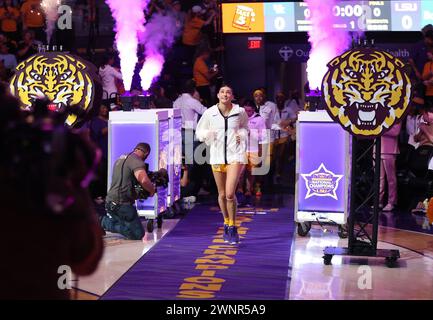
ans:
(322, 169)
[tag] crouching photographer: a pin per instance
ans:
(122, 216)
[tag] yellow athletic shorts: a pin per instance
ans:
(221, 167)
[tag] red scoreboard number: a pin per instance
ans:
(254, 44)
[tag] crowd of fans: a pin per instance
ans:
(195, 54)
(188, 82)
(22, 25)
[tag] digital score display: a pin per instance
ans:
(356, 15)
(351, 16)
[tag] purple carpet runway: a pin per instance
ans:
(193, 262)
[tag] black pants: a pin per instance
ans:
(124, 220)
(197, 173)
(205, 95)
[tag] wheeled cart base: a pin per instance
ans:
(390, 256)
(303, 228)
(151, 223)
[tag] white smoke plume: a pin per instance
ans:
(326, 42)
(129, 18)
(50, 8)
(158, 36)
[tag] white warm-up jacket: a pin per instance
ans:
(219, 133)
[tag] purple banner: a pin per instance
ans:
(163, 156)
(322, 154)
(177, 157)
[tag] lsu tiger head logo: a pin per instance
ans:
(366, 90)
(61, 78)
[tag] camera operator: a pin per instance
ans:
(52, 227)
(122, 216)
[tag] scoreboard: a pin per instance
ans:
(353, 15)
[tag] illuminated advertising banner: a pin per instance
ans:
(357, 15)
(243, 17)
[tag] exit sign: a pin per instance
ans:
(254, 42)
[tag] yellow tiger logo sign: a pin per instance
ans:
(366, 90)
(62, 78)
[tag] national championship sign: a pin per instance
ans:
(367, 91)
(65, 80)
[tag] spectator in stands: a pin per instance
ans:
(210, 5)
(33, 18)
(420, 164)
(294, 105)
(425, 134)
(12, 44)
(196, 95)
(136, 105)
(3, 72)
(419, 54)
(427, 77)
(203, 75)
(210, 31)
(180, 16)
(413, 120)
(28, 46)
(9, 60)
(256, 138)
(190, 109)
(159, 100)
(158, 6)
(168, 80)
(192, 34)
(108, 76)
(3, 38)
(388, 155)
(9, 18)
(267, 110)
(280, 137)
